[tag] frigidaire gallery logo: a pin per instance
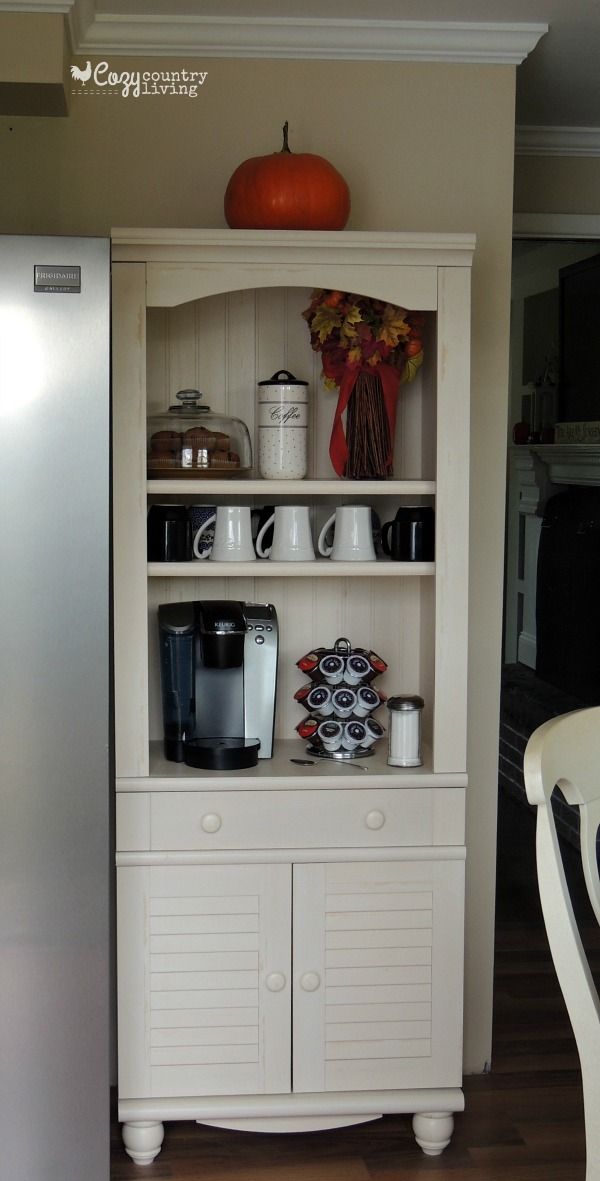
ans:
(101, 79)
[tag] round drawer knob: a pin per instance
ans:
(375, 819)
(310, 981)
(211, 822)
(275, 981)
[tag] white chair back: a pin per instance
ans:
(565, 752)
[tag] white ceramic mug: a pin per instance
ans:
(292, 537)
(353, 535)
(233, 536)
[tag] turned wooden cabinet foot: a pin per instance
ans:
(143, 1140)
(433, 1131)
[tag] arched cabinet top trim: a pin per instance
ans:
(188, 265)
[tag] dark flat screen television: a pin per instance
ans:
(579, 343)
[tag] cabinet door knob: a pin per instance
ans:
(211, 822)
(275, 981)
(310, 981)
(375, 819)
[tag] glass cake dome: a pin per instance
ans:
(190, 440)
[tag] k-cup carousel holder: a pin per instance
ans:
(340, 700)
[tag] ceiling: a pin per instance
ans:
(554, 43)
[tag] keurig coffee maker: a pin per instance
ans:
(218, 661)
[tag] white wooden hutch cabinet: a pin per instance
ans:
(290, 938)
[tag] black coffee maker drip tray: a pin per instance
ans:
(221, 754)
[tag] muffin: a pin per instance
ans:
(163, 460)
(224, 459)
(165, 441)
(200, 439)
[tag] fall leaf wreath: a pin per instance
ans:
(367, 348)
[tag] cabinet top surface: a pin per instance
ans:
(141, 242)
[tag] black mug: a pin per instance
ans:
(410, 536)
(169, 533)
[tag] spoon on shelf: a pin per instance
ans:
(312, 763)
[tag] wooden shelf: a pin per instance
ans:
(303, 488)
(264, 568)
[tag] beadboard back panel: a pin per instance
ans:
(224, 345)
(396, 620)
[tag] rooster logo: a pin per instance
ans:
(82, 75)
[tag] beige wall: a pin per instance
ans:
(423, 147)
(33, 59)
(29, 58)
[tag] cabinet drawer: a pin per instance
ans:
(308, 819)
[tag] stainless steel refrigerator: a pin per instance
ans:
(54, 709)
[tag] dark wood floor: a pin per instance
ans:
(523, 1121)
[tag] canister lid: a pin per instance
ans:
(283, 377)
(405, 703)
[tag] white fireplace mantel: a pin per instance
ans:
(569, 463)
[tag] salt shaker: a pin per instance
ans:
(282, 427)
(404, 732)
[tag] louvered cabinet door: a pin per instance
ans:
(204, 980)
(378, 961)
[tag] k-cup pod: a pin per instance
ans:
(309, 664)
(354, 735)
(319, 701)
(307, 728)
(302, 693)
(367, 700)
(343, 701)
(330, 734)
(357, 668)
(377, 664)
(331, 667)
(374, 731)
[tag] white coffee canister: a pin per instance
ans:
(282, 427)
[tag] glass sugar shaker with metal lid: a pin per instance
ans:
(282, 427)
(404, 732)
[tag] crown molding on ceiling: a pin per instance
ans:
(556, 225)
(176, 34)
(64, 6)
(52, 6)
(557, 141)
(355, 40)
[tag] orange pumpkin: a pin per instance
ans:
(287, 191)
